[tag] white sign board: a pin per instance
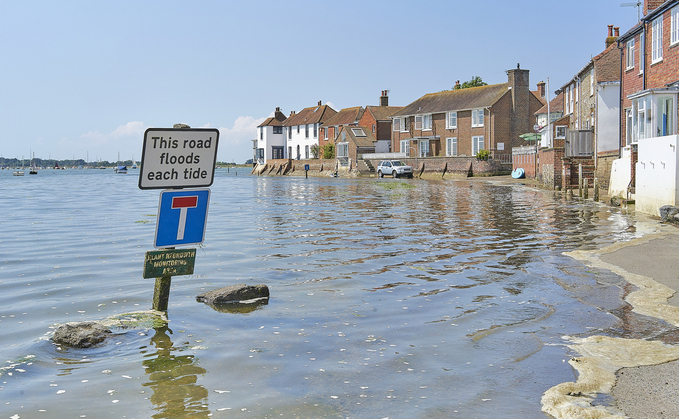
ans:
(178, 158)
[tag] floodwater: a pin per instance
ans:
(389, 298)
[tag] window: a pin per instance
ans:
(342, 149)
(451, 146)
(358, 132)
(451, 120)
(560, 131)
(653, 114)
(289, 152)
(261, 133)
(674, 38)
(405, 148)
(315, 130)
(418, 122)
(628, 130)
(630, 54)
(397, 124)
(297, 129)
(306, 131)
(477, 118)
(426, 122)
(289, 133)
(306, 151)
(373, 128)
(477, 144)
(277, 130)
(656, 42)
(424, 148)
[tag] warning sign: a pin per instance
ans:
(178, 158)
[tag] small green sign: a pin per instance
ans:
(169, 262)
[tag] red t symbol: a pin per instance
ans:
(183, 203)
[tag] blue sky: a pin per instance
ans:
(86, 78)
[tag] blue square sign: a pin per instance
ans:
(182, 217)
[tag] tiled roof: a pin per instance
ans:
(271, 122)
(460, 99)
(361, 141)
(555, 105)
(312, 115)
(382, 113)
(345, 116)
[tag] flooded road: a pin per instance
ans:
(389, 298)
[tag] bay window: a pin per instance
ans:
(653, 114)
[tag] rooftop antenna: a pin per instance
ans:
(637, 5)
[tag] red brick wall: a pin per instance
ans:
(667, 70)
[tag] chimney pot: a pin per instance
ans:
(617, 31)
(319, 103)
(610, 30)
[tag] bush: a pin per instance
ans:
(483, 154)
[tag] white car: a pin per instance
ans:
(395, 168)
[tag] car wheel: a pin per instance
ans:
(380, 174)
(393, 174)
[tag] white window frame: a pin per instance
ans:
(427, 122)
(629, 56)
(477, 144)
(451, 146)
(405, 147)
(674, 31)
(396, 124)
(650, 115)
(656, 43)
(560, 131)
(451, 120)
(423, 146)
(477, 117)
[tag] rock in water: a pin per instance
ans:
(234, 293)
(81, 335)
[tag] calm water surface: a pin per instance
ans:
(390, 298)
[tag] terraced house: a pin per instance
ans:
(302, 130)
(461, 122)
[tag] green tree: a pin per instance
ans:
(329, 151)
(476, 81)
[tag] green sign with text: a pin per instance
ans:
(169, 262)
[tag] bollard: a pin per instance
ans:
(161, 293)
(580, 187)
(585, 188)
(596, 190)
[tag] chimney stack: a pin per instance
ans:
(541, 89)
(457, 84)
(610, 39)
(319, 103)
(384, 99)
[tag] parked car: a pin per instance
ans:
(395, 168)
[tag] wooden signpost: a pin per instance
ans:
(177, 158)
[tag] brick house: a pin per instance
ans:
(331, 127)
(302, 130)
(377, 120)
(351, 142)
(461, 122)
(270, 142)
(374, 118)
(592, 101)
(649, 92)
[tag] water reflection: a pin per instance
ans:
(173, 379)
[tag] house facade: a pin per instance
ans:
(352, 142)
(462, 122)
(270, 142)
(591, 99)
(650, 88)
(331, 127)
(302, 131)
(377, 119)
